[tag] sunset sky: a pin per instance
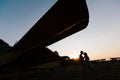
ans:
(100, 39)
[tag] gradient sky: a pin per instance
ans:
(100, 39)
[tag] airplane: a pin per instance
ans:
(63, 19)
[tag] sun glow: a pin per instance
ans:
(75, 59)
(74, 56)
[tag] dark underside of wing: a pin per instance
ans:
(33, 57)
(63, 19)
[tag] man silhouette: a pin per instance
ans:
(81, 57)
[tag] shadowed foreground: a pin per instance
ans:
(101, 71)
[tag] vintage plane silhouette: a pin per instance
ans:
(64, 18)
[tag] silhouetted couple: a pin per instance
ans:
(85, 64)
(84, 59)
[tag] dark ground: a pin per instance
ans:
(101, 71)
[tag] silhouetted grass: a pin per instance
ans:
(102, 71)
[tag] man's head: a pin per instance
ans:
(81, 52)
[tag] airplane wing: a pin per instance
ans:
(64, 18)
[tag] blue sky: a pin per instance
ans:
(100, 39)
(18, 16)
